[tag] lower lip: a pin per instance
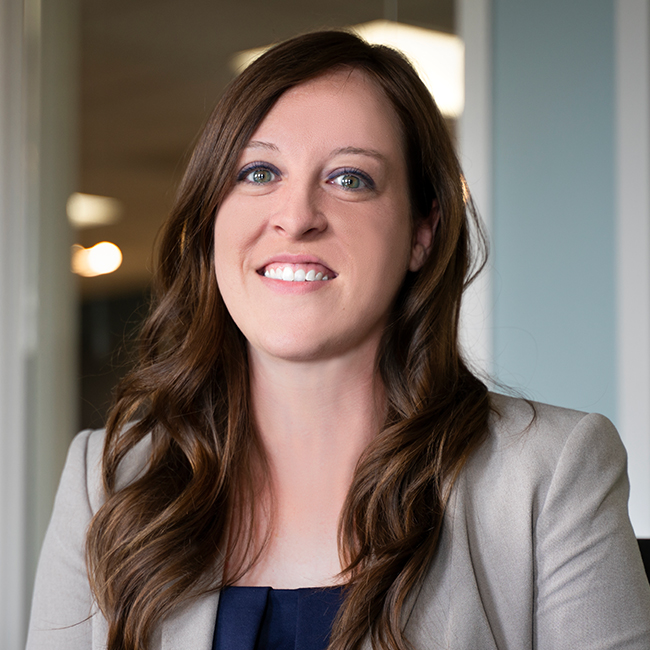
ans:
(293, 288)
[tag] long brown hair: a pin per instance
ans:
(162, 537)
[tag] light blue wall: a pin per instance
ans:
(553, 219)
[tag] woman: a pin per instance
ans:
(302, 418)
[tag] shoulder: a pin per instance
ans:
(84, 465)
(532, 422)
(62, 605)
(540, 434)
(531, 447)
(537, 523)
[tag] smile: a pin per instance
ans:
(298, 272)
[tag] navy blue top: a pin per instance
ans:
(262, 618)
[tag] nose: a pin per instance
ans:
(299, 214)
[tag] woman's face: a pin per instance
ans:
(314, 241)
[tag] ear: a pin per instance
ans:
(423, 234)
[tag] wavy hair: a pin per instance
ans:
(162, 537)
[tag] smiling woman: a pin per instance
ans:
(303, 458)
(322, 190)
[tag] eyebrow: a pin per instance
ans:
(260, 144)
(361, 152)
(372, 153)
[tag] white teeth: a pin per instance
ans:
(287, 274)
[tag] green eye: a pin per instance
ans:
(258, 173)
(351, 179)
(261, 176)
(350, 182)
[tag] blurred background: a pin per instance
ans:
(101, 102)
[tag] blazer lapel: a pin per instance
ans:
(192, 626)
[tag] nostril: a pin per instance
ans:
(300, 231)
(299, 215)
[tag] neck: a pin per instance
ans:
(320, 415)
(314, 421)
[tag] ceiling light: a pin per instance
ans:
(102, 258)
(438, 58)
(88, 210)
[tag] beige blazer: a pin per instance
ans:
(537, 551)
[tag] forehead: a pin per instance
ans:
(340, 82)
(345, 103)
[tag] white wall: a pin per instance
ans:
(632, 33)
(474, 26)
(37, 306)
(16, 344)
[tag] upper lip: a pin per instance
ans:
(292, 258)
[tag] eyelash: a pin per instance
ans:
(353, 171)
(346, 171)
(256, 166)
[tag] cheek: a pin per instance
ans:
(385, 252)
(224, 225)
(220, 250)
(239, 223)
(388, 243)
(229, 231)
(225, 241)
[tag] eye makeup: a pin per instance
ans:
(258, 167)
(353, 172)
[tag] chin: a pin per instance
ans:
(297, 348)
(298, 352)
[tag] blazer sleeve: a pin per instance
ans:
(592, 591)
(62, 605)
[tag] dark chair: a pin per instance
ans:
(644, 545)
